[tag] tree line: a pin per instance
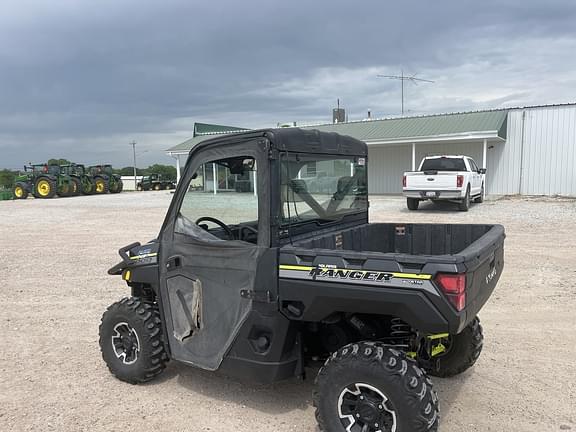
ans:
(167, 172)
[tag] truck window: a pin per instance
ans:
(222, 190)
(443, 164)
(322, 188)
(473, 165)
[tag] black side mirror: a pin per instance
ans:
(482, 171)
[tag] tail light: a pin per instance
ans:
(459, 181)
(454, 286)
(403, 181)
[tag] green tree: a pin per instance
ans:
(7, 178)
(168, 172)
(59, 162)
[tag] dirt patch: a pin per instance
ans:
(53, 260)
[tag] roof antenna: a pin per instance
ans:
(403, 78)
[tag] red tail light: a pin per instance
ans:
(403, 181)
(459, 181)
(454, 286)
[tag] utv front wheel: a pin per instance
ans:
(366, 387)
(131, 340)
(462, 351)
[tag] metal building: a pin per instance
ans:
(528, 150)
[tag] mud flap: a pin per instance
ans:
(185, 297)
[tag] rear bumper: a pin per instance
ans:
(437, 194)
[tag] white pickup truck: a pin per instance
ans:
(453, 178)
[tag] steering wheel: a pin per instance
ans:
(221, 224)
(241, 229)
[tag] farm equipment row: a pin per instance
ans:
(46, 181)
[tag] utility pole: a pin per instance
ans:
(133, 144)
(403, 78)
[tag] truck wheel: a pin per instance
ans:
(462, 352)
(367, 387)
(157, 187)
(20, 191)
(131, 340)
(480, 199)
(44, 188)
(465, 203)
(412, 203)
(139, 188)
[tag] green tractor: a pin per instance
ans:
(105, 180)
(43, 181)
(82, 182)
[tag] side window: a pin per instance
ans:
(473, 165)
(221, 202)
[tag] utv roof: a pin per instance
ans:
(295, 140)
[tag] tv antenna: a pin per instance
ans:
(402, 78)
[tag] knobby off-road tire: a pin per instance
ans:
(127, 322)
(464, 205)
(412, 203)
(366, 383)
(463, 351)
(118, 186)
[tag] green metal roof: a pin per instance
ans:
(438, 125)
(202, 132)
(466, 125)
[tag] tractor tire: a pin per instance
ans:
(44, 188)
(464, 205)
(76, 187)
(463, 351)
(20, 191)
(101, 186)
(87, 187)
(412, 203)
(131, 340)
(369, 387)
(65, 190)
(119, 186)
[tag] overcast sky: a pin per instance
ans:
(80, 79)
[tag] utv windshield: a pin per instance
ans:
(322, 188)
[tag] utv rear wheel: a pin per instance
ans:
(131, 340)
(462, 351)
(366, 387)
(412, 203)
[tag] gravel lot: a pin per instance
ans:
(53, 260)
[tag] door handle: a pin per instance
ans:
(173, 263)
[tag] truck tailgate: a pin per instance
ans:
(439, 181)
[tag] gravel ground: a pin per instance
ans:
(53, 260)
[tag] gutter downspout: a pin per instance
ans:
(521, 179)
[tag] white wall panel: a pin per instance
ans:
(386, 164)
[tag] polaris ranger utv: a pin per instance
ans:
(260, 286)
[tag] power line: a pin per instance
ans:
(403, 78)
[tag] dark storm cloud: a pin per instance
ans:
(79, 78)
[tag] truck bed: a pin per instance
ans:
(388, 268)
(412, 239)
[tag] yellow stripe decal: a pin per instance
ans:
(396, 275)
(137, 257)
